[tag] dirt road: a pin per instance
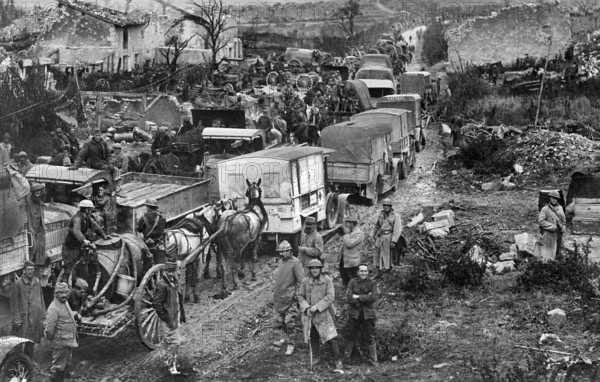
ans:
(218, 331)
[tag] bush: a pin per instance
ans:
(571, 272)
(462, 271)
(466, 86)
(486, 369)
(486, 156)
(435, 44)
(394, 340)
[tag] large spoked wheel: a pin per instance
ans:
(294, 64)
(17, 367)
(331, 210)
(304, 82)
(148, 326)
(272, 78)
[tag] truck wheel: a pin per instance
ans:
(375, 199)
(17, 367)
(418, 146)
(403, 170)
(331, 210)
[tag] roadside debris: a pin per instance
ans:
(557, 317)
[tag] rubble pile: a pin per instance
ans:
(559, 150)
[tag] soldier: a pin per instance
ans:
(162, 143)
(60, 141)
(78, 295)
(311, 242)
(552, 226)
(168, 303)
(118, 159)
(96, 155)
(285, 291)
(23, 163)
(386, 233)
(61, 331)
(152, 225)
(316, 297)
(27, 305)
(5, 149)
(77, 242)
(105, 205)
(361, 296)
(352, 238)
(35, 225)
(73, 142)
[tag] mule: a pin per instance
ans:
(241, 229)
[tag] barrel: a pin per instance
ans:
(142, 134)
(120, 137)
(125, 285)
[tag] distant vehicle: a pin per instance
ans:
(403, 140)
(376, 60)
(379, 88)
(412, 103)
(16, 363)
(363, 162)
(414, 82)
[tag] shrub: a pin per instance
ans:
(466, 86)
(435, 44)
(394, 340)
(462, 271)
(571, 272)
(485, 156)
(486, 369)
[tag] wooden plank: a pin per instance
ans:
(587, 211)
(586, 226)
(586, 201)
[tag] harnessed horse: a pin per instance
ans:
(241, 229)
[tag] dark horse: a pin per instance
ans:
(240, 229)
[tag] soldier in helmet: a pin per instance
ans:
(352, 238)
(552, 226)
(162, 143)
(316, 297)
(285, 291)
(152, 225)
(386, 233)
(311, 242)
(77, 241)
(35, 225)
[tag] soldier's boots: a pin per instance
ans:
(373, 354)
(58, 376)
(316, 351)
(348, 349)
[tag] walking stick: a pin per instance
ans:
(310, 343)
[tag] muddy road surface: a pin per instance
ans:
(221, 333)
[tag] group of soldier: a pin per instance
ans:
(302, 289)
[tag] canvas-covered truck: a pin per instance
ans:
(414, 82)
(403, 141)
(363, 162)
(293, 187)
(412, 103)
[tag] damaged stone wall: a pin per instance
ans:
(512, 33)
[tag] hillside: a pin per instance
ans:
(512, 33)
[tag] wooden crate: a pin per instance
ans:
(586, 226)
(587, 211)
(586, 201)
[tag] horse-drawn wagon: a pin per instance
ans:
(128, 274)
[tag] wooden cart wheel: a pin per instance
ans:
(331, 210)
(272, 78)
(294, 63)
(304, 82)
(148, 326)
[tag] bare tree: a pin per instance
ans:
(212, 17)
(345, 17)
(175, 46)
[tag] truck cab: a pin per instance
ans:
(411, 103)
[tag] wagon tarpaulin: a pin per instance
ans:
(362, 93)
(356, 142)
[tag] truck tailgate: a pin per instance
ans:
(348, 172)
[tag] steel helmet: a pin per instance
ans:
(151, 202)
(554, 194)
(37, 187)
(85, 204)
(387, 202)
(284, 246)
(314, 263)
